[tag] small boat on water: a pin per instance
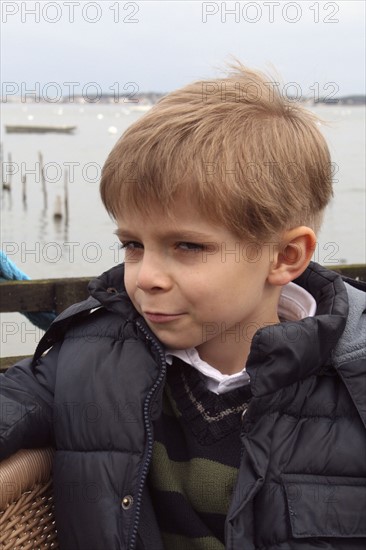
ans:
(32, 129)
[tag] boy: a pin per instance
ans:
(199, 399)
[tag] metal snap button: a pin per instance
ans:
(127, 502)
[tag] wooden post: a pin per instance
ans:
(10, 161)
(7, 185)
(66, 196)
(43, 179)
(57, 214)
(24, 190)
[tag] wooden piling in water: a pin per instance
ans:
(24, 190)
(66, 196)
(7, 185)
(57, 213)
(43, 179)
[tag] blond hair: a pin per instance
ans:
(247, 157)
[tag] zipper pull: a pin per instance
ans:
(244, 412)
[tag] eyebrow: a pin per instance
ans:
(180, 235)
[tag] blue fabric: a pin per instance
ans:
(10, 272)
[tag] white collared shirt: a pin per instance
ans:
(295, 303)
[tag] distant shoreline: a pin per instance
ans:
(150, 98)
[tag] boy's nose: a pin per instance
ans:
(152, 275)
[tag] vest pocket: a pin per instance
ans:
(325, 506)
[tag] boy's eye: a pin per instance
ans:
(131, 245)
(193, 247)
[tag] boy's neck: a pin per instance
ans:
(232, 357)
(229, 352)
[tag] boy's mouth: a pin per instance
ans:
(157, 317)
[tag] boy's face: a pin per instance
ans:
(196, 284)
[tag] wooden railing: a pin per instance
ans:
(40, 295)
(57, 294)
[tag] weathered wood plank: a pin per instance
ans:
(75, 290)
(26, 296)
(42, 294)
(354, 271)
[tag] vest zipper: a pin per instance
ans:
(228, 543)
(147, 421)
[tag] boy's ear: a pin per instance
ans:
(292, 256)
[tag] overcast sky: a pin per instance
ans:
(166, 44)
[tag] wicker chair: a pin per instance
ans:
(26, 501)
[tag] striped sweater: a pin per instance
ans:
(195, 459)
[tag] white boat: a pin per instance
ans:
(32, 129)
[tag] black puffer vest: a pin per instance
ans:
(96, 393)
